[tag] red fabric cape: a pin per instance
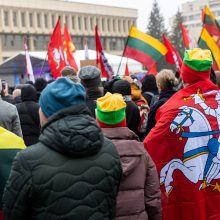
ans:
(185, 201)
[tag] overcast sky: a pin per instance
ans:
(167, 7)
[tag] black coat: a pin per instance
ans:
(132, 116)
(164, 96)
(72, 173)
(92, 96)
(28, 114)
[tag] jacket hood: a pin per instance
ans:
(73, 132)
(28, 93)
(128, 146)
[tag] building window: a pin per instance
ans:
(46, 20)
(31, 19)
(15, 23)
(73, 22)
(53, 20)
(6, 18)
(23, 19)
(38, 20)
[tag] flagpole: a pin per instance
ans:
(123, 52)
(43, 64)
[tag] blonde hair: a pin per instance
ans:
(165, 79)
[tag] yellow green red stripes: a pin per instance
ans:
(147, 39)
(143, 48)
(207, 42)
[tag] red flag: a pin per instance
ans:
(185, 34)
(69, 48)
(101, 60)
(126, 70)
(172, 55)
(56, 58)
(181, 145)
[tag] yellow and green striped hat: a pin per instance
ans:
(111, 109)
(196, 65)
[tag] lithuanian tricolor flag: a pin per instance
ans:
(143, 48)
(210, 23)
(207, 42)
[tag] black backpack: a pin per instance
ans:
(154, 98)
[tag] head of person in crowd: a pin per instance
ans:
(196, 66)
(40, 84)
(110, 111)
(108, 84)
(70, 72)
(136, 89)
(60, 94)
(165, 80)
(3, 88)
(28, 93)
(122, 87)
(90, 78)
(149, 84)
(17, 95)
(29, 82)
(217, 74)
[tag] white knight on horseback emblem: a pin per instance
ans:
(201, 156)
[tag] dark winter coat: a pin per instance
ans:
(72, 173)
(132, 116)
(164, 96)
(29, 116)
(139, 193)
(92, 95)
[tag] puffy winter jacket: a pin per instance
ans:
(72, 173)
(28, 114)
(10, 144)
(139, 193)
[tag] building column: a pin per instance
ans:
(27, 20)
(19, 19)
(2, 19)
(107, 45)
(1, 57)
(31, 43)
(49, 21)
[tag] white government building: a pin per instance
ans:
(37, 18)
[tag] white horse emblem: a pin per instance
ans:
(57, 57)
(199, 155)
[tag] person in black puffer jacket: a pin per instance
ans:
(149, 88)
(73, 172)
(133, 118)
(28, 114)
(165, 82)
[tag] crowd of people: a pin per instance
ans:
(80, 148)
